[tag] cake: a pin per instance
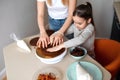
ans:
(34, 40)
(45, 54)
(42, 51)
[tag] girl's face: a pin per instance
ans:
(80, 22)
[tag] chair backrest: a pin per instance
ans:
(108, 54)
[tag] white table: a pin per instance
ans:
(21, 65)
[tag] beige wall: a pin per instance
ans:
(103, 16)
(116, 0)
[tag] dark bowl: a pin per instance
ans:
(78, 52)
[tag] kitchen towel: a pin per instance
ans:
(82, 74)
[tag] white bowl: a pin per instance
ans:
(52, 60)
(78, 57)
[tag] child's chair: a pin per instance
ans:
(108, 55)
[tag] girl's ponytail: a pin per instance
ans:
(90, 8)
(89, 5)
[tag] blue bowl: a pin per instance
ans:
(78, 56)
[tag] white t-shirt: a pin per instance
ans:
(57, 10)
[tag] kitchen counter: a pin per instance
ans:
(21, 65)
(117, 9)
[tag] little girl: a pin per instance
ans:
(83, 29)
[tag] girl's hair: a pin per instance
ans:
(84, 11)
(65, 2)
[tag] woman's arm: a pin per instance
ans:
(43, 39)
(40, 15)
(58, 38)
(71, 8)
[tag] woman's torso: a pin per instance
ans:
(57, 10)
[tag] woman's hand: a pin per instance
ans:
(43, 40)
(56, 38)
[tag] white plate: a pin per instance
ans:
(47, 70)
(91, 68)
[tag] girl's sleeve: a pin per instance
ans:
(81, 38)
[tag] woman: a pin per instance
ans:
(60, 18)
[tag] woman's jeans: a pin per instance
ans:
(56, 24)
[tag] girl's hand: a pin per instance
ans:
(56, 48)
(56, 38)
(43, 40)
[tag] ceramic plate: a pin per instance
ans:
(91, 68)
(48, 70)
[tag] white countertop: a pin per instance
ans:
(21, 65)
(117, 9)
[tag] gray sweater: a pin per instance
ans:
(84, 38)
